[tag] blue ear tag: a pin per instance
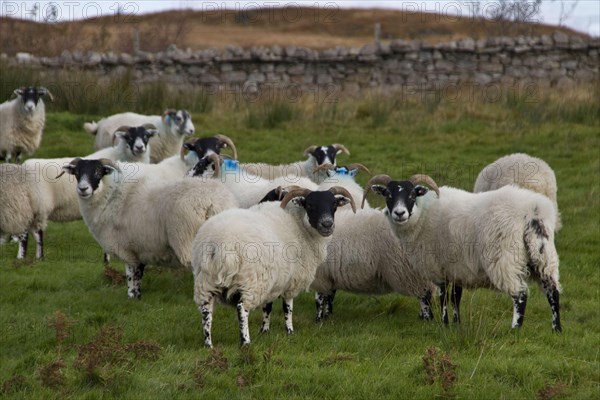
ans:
(231, 165)
(345, 171)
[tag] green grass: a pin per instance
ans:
(373, 347)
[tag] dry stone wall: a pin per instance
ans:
(557, 60)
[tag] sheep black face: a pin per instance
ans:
(30, 96)
(136, 137)
(179, 121)
(400, 198)
(211, 145)
(326, 154)
(320, 207)
(89, 174)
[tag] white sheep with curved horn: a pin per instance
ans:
(144, 224)
(32, 194)
(248, 189)
(317, 155)
(496, 238)
(172, 128)
(250, 257)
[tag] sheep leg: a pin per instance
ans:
(444, 302)
(134, 280)
(425, 302)
(39, 244)
(329, 304)
(18, 158)
(519, 304)
(319, 303)
(206, 309)
(266, 322)
(288, 307)
(551, 290)
(243, 322)
(106, 259)
(455, 298)
(23, 238)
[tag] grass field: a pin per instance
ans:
(68, 331)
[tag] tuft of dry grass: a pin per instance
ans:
(336, 358)
(106, 350)
(439, 368)
(62, 327)
(216, 360)
(51, 375)
(14, 384)
(551, 391)
(114, 277)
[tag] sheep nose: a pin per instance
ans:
(139, 148)
(399, 214)
(327, 224)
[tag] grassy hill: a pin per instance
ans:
(310, 27)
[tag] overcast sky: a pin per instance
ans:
(584, 17)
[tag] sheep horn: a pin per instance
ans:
(182, 151)
(281, 191)
(285, 190)
(325, 166)
(46, 92)
(73, 163)
(292, 194)
(149, 127)
(344, 192)
(228, 142)
(341, 147)
(110, 163)
(123, 128)
(217, 162)
(310, 150)
(426, 179)
(376, 180)
(359, 167)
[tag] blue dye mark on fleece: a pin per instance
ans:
(231, 165)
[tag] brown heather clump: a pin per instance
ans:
(551, 391)
(243, 381)
(216, 360)
(439, 367)
(336, 358)
(14, 384)
(107, 350)
(51, 374)
(114, 276)
(62, 327)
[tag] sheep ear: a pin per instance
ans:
(188, 146)
(69, 169)
(342, 200)
(420, 190)
(152, 132)
(299, 201)
(380, 190)
(19, 92)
